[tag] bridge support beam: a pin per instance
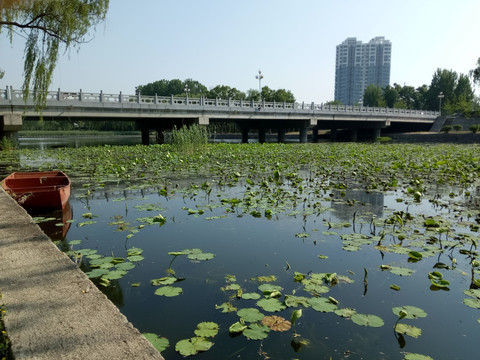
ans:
(10, 125)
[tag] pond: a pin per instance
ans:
(369, 250)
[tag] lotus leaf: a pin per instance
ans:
(116, 274)
(206, 329)
(237, 327)
(251, 296)
(169, 291)
(269, 278)
(135, 258)
(413, 356)
(269, 288)
(271, 305)
(256, 332)
(408, 330)
(473, 303)
(125, 266)
(276, 323)
(250, 314)
(367, 320)
(295, 301)
(167, 280)
(193, 346)
(322, 304)
(95, 273)
(345, 312)
(160, 343)
(413, 312)
(226, 307)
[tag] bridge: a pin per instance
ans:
(160, 113)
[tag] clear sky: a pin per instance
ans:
(293, 43)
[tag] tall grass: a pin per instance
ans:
(6, 144)
(189, 138)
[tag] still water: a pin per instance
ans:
(247, 247)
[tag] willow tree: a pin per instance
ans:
(48, 27)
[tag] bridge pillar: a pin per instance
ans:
(10, 124)
(244, 135)
(281, 135)
(261, 135)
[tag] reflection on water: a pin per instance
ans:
(78, 141)
(248, 247)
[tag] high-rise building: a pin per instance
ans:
(359, 65)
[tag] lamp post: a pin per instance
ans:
(440, 97)
(259, 77)
(186, 93)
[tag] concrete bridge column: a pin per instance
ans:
(10, 124)
(262, 135)
(281, 135)
(303, 135)
(244, 135)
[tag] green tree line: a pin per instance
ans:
(194, 88)
(453, 92)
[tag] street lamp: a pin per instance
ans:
(440, 97)
(186, 93)
(259, 77)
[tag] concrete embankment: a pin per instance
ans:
(53, 310)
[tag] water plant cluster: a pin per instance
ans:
(365, 237)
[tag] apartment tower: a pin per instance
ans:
(359, 65)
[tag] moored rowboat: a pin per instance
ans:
(38, 190)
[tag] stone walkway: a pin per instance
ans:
(53, 310)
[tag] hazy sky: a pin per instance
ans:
(226, 42)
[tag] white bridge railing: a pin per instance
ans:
(9, 95)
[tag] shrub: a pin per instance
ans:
(6, 144)
(384, 139)
(446, 128)
(457, 127)
(189, 137)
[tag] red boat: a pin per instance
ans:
(38, 190)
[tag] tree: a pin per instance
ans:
(47, 26)
(475, 73)
(372, 96)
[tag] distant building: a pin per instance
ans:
(359, 65)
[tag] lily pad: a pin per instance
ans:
(367, 320)
(193, 346)
(271, 305)
(413, 312)
(322, 304)
(345, 312)
(236, 328)
(206, 329)
(408, 330)
(276, 323)
(167, 280)
(160, 343)
(169, 291)
(256, 332)
(250, 315)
